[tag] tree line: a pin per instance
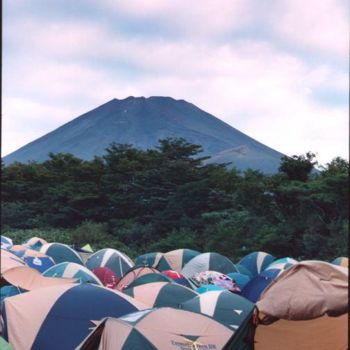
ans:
(170, 197)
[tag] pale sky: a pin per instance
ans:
(276, 70)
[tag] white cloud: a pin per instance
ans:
(71, 67)
(313, 24)
(191, 18)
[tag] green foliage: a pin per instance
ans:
(298, 167)
(167, 198)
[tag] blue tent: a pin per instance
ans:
(255, 287)
(60, 317)
(256, 262)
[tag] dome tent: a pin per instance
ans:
(61, 253)
(72, 270)
(6, 242)
(162, 328)
(160, 294)
(117, 261)
(34, 243)
(208, 261)
(149, 259)
(132, 274)
(256, 262)
(176, 259)
(60, 317)
(229, 309)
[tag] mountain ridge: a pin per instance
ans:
(142, 122)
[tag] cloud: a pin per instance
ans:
(316, 25)
(208, 18)
(253, 83)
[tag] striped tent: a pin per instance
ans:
(6, 242)
(208, 261)
(176, 259)
(72, 270)
(132, 274)
(229, 309)
(117, 261)
(149, 278)
(160, 294)
(282, 263)
(24, 277)
(279, 266)
(256, 262)
(35, 243)
(341, 261)
(163, 328)
(61, 253)
(149, 259)
(60, 317)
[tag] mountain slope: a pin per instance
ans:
(142, 122)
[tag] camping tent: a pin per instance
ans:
(6, 242)
(305, 308)
(160, 294)
(61, 253)
(208, 261)
(256, 262)
(341, 261)
(117, 261)
(72, 270)
(163, 328)
(132, 274)
(34, 243)
(60, 317)
(176, 259)
(230, 309)
(149, 259)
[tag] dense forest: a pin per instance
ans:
(169, 197)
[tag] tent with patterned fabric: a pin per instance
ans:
(163, 328)
(160, 294)
(60, 317)
(149, 278)
(208, 261)
(341, 261)
(256, 262)
(61, 253)
(117, 261)
(216, 278)
(230, 309)
(6, 242)
(176, 259)
(72, 270)
(132, 274)
(149, 259)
